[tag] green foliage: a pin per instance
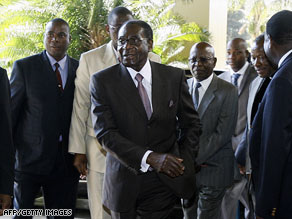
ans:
(22, 24)
(173, 37)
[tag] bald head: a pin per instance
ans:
(237, 53)
(202, 60)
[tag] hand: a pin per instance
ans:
(166, 163)
(5, 201)
(257, 217)
(80, 162)
(241, 169)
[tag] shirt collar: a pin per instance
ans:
(145, 72)
(241, 71)
(284, 57)
(115, 51)
(53, 61)
(205, 83)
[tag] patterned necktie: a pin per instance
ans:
(234, 79)
(59, 79)
(143, 95)
(196, 99)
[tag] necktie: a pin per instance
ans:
(234, 79)
(196, 100)
(59, 79)
(143, 95)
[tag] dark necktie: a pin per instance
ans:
(234, 79)
(258, 97)
(59, 78)
(196, 100)
(143, 95)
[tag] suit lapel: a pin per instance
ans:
(128, 88)
(109, 55)
(158, 89)
(47, 71)
(208, 97)
(71, 75)
(244, 79)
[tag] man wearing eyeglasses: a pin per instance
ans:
(89, 155)
(42, 90)
(137, 107)
(216, 103)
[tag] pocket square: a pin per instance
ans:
(171, 104)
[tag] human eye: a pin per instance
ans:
(62, 35)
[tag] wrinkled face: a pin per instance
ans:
(236, 55)
(114, 26)
(201, 61)
(133, 46)
(57, 39)
(260, 61)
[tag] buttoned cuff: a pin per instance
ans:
(144, 166)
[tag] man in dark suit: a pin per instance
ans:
(6, 145)
(257, 90)
(216, 102)
(137, 107)
(271, 134)
(42, 90)
(241, 74)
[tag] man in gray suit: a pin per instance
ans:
(216, 103)
(241, 74)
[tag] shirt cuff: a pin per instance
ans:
(144, 166)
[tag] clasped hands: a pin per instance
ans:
(166, 163)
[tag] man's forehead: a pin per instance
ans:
(131, 30)
(119, 19)
(57, 25)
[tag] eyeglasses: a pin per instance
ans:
(134, 41)
(60, 35)
(203, 60)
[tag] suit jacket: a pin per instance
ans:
(121, 125)
(218, 113)
(40, 113)
(243, 91)
(6, 145)
(271, 147)
(82, 139)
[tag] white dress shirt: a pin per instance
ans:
(63, 67)
(147, 83)
(202, 90)
(283, 58)
(241, 72)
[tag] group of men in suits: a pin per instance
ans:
(147, 119)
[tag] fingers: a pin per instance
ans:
(173, 166)
(80, 162)
(5, 201)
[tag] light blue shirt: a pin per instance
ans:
(63, 67)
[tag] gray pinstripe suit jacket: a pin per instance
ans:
(218, 115)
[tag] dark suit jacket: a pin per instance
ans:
(271, 146)
(6, 145)
(218, 114)
(40, 113)
(122, 127)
